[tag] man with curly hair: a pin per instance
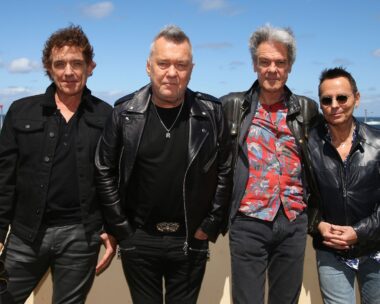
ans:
(48, 200)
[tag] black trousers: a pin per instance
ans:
(67, 251)
(156, 267)
(274, 249)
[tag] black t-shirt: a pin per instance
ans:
(63, 206)
(157, 180)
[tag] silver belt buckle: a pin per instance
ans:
(167, 227)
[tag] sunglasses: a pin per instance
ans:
(328, 100)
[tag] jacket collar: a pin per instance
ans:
(49, 98)
(360, 135)
(252, 97)
(140, 101)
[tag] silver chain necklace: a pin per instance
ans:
(167, 135)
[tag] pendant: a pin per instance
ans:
(167, 135)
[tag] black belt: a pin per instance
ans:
(160, 228)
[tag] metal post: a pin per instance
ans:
(1, 116)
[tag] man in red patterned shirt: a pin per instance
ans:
(268, 222)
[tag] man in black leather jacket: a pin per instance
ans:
(164, 176)
(269, 126)
(346, 159)
(48, 197)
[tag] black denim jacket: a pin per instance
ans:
(27, 144)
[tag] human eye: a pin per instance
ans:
(264, 63)
(77, 64)
(181, 66)
(59, 64)
(163, 65)
(281, 63)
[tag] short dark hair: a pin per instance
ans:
(171, 33)
(335, 73)
(72, 35)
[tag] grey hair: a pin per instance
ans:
(273, 34)
(171, 33)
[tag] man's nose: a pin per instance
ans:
(272, 67)
(172, 71)
(69, 69)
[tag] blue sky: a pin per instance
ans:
(328, 33)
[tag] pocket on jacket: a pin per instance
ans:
(28, 125)
(30, 135)
(210, 162)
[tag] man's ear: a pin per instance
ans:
(90, 68)
(357, 99)
(148, 67)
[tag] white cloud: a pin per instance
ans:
(216, 45)
(236, 64)
(369, 98)
(98, 10)
(210, 5)
(9, 94)
(225, 6)
(22, 65)
(11, 91)
(376, 53)
(342, 62)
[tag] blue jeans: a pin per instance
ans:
(151, 259)
(336, 280)
(68, 251)
(275, 248)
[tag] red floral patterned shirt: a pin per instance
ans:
(274, 166)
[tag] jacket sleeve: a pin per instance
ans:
(107, 161)
(8, 165)
(368, 229)
(216, 221)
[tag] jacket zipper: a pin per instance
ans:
(186, 243)
(120, 160)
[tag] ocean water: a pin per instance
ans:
(373, 121)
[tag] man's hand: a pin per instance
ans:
(1, 246)
(109, 243)
(337, 237)
(200, 235)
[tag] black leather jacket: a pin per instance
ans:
(240, 108)
(351, 197)
(27, 144)
(206, 184)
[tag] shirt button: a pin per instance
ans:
(51, 134)
(38, 211)
(46, 159)
(27, 126)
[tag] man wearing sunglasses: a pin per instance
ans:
(346, 160)
(268, 222)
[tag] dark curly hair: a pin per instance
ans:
(72, 35)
